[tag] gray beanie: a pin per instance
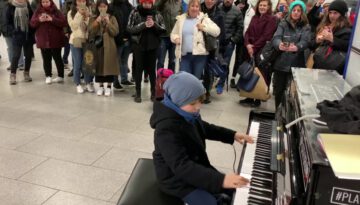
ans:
(183, 88)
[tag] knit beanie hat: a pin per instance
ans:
(339, 6)
(296, 3)
(183, 88)
(146, 1)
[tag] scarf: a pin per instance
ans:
(189, 117)
(21, 16)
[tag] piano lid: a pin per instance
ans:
(313, 86)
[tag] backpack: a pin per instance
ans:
(162, 75)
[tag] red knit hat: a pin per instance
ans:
(146, 1)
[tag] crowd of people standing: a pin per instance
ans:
(153, 30)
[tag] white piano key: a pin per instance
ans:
(241, 196)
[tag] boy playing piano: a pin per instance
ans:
(181, 162)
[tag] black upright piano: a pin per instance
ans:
(288, 165)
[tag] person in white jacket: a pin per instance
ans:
(78, 19)
(188, 36)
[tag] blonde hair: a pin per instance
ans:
(191, 2)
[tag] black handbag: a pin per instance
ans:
(211, 42)
(246, 69)
(325, 57)
(99, 41)
(267, 55)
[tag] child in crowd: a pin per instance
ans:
(182, 166)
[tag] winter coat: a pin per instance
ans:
(217, 17)
(108, 58)
(341, 39)
(136, 25)
(234, 24)
(198, 39)
(261, 29)
(180, 158)
(49, 34)
(121, 9)
(3, 28)
(169, 9)
(77, 25)
(19, 37)
(65, 9)
(300, 35)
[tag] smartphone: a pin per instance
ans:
(103, 13)
(282, 8)
(321, 10)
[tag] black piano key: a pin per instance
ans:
(253, 200)
(263, 182)
(265, 194)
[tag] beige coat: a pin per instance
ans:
(198, 41)
(108, 58)
(77, 25)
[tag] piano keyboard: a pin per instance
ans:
(256, 166)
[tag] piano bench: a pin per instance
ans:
(142, 187)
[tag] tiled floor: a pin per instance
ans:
(62, 148)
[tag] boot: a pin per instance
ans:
(207, 98)
(12, 78)
(27, 77)
(137, 98)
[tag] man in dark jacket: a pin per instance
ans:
(121, 9)
(5, 31)
(182, 166)
(234, 26)
(169, 9)
(210, 7)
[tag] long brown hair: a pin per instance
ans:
(341, 22)
(258, 4)
(74, 7)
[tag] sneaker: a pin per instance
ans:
(58, 80)
(79, 89)
(107, 92)
(219, 89)
(247, 101)
(100, 92)
(90, 88)
(118, 87)
(232, 83)
(256, 103)
(48, 80)
(127, 83)
(12, 78)
(27, 77)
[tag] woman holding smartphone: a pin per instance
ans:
(78, 19)
(292, 37)
(105, 25)
(49, 23)
(145, 26)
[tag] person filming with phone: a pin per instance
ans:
(292, 37)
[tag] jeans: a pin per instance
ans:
(123, 57)
(226, 53)
(77, 56)
(193, 64)
(52, 53)
(166, 46)
(10, 51)
(200, 197)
